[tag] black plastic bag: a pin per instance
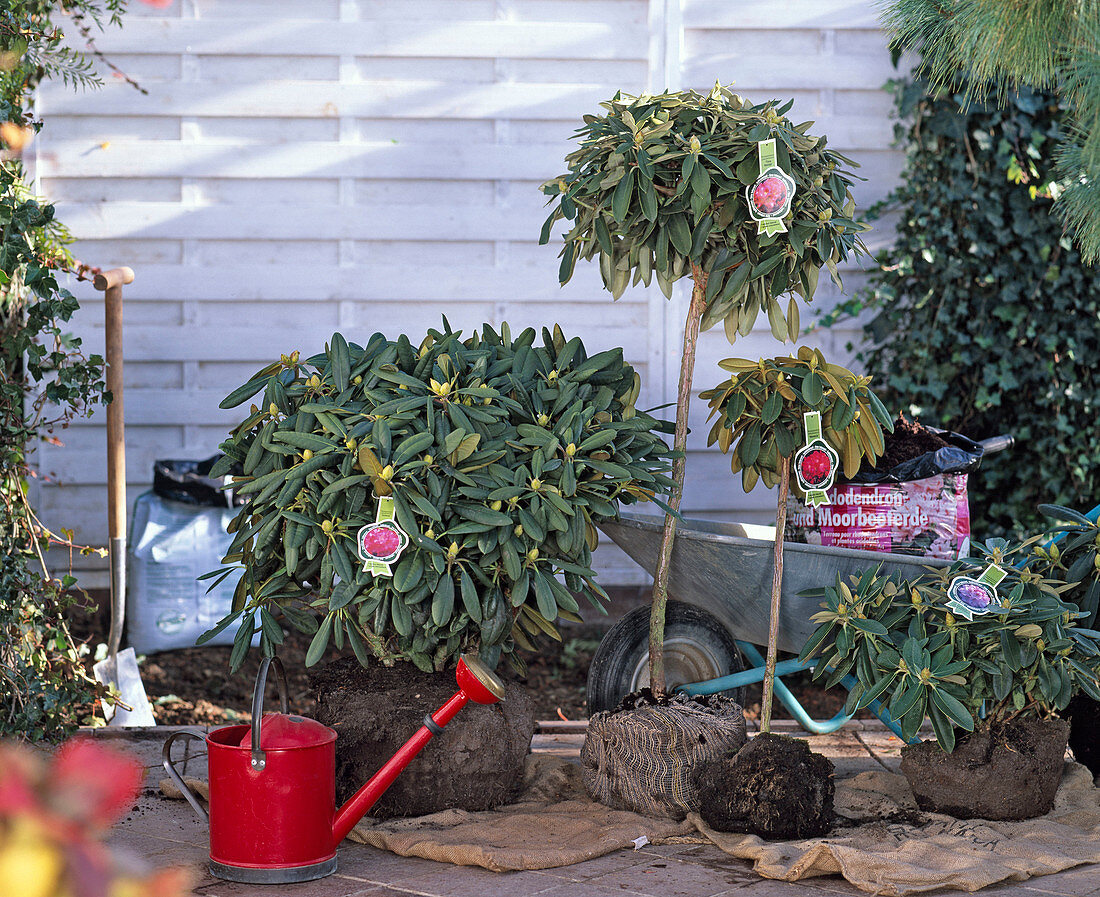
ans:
(189, 482)
(961, 455)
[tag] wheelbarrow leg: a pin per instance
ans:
(800, 714)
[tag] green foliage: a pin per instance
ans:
(987, 320)
(45, 382)
(45, 690)
(1050, 44)
(500, 456)
(907, 650)
(658, 186)
(760, 408)
(1070, 552)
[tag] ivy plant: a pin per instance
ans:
(499, 455)
(46, 381)
(759, 413)
(657, 189)
(984, 318)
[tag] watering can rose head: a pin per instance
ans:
(493, 458)
(1017, 652)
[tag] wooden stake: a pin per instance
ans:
(777, 590)
(679, 444)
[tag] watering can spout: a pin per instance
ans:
(477, 683)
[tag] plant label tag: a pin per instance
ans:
(771, 195)
(970, 597)
(380, 543)
(816, 463)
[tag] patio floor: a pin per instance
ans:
(167, 832)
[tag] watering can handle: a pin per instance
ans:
(169, 767)
(259, 760)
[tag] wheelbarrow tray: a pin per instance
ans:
(726, 569)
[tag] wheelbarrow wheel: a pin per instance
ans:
(697, 647)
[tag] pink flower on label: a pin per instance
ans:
(381, 541)
(816, 467)
(770, 195)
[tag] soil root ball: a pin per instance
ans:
(1010, 772)
(774, 787)
(643, 756)
(476, 764)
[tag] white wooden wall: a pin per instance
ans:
(305, 166)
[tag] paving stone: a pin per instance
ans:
(670, 877)
(1075, 882)
(469, 881)
(372, 865)
(608, 864)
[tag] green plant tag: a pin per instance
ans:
(816, 463)
(380, 543)
(970, 597)
(771, 195)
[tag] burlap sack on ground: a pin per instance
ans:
(643, 759)
(555, 824)
(899, 858)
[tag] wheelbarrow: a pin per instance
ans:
(719, 593)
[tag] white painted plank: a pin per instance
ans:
(838, 14)
(275, 221)
(273, 36)
(306, 159)
(425, 99)
(368, 282)
(759, 75)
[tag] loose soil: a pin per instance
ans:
(1007, 772)
(193, 686)
(774, 787)
(477, 764)
(908, 441)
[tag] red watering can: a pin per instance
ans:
(273, 816)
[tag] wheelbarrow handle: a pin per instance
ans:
(997, 444)
(170, 768)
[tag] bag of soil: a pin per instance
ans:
(915, 502)
(643, 757)
(178, 532)
(189, 482)
(915, 452)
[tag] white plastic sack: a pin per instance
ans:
(171, 545)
